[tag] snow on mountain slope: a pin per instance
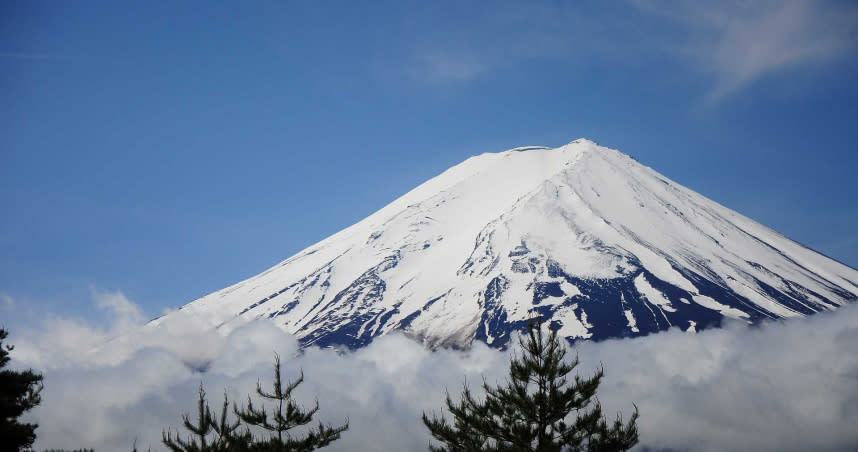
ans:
(582, 234)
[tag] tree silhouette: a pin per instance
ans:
(538, 409)
(208, 433)
(19, 392)
(287, 415)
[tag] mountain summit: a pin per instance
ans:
(586, 236)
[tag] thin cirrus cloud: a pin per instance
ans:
(7, 302)
(738, 43)
(444, 67)
(467, 48)
(783, 386)
(730, 44)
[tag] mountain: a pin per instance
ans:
(584, 235)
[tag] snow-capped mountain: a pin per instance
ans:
(584, 235)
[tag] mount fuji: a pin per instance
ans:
(582, 235)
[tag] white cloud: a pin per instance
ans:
(495, 37)
(70, 342)
(781, 386)
(7, 301)
(741, 42)
(447, 67)
(732, 44)
(124, 312)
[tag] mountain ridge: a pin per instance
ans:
(586, 236)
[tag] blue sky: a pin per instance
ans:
(169, 149)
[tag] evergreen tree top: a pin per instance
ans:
(537, 409)
(19, 392)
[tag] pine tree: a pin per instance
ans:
(208, 433)
(538, 409)
(287, 415)
(19, 392)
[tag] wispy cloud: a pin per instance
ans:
(123, 311)
(443, 67)
(740, 42)
(495, 37)
(7, 302)
(730, 43)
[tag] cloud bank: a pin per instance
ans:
(780, 386)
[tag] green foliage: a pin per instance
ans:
(538, 409)
(19, 392)
(220, 434)
(208, 433)
(286, 416)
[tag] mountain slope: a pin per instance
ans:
(584, 235)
